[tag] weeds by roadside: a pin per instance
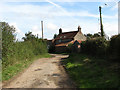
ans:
(91, 72)
(16, 55)
(11, 71)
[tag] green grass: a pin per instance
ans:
(91, 72)
(11, 71)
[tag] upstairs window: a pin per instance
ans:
(64, 36)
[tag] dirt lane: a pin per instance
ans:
(43, 73)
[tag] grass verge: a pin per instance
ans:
(11, 71)
(91, 72)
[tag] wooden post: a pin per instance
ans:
(42, 28)
(101, 25)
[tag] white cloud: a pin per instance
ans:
(51, 26)
(27, 11)
(43, 12)
(111, 17)
(54, 4)
(19, 32)
(17, 29)
(66, 29)
(36, 30)
(111, 28)
(115, 6)
(32, 14)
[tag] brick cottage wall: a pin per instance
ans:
(61, 49)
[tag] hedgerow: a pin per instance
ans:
(103, 48)
(114, 49)
(15, 51)
(95, 46)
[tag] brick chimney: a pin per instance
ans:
(79, 29)
(60, 31)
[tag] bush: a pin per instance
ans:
(14, 51)
(114, 49)
(96, 46)
(40, 47)
(51, 49)
(8, 38)
(69, 48)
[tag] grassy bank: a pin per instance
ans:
(12, 70)
(17, 55)
(91, 72)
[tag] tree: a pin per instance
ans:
(55, 35)
(8, 38)
(29, 37)
(96, 35)
(89, 35)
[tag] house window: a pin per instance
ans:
(60, 36)
(59, 41)
(64, 36)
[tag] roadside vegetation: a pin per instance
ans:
(91, 72)
(18, 55)
(102, 48)
(14, 69)
(97, 65)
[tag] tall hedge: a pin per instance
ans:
(8, 38)
(114, 49)
(14, 51)
(101, 47)
(95, 46)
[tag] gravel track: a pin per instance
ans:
(43, 73)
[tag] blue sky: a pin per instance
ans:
(26, 16)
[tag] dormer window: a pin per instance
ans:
(64, 36)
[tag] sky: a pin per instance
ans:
(27, 15)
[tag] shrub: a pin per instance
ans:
(8, 38)
(69, 48)
(51, 49)
(14, 51)
(40, 47)
(114, 49)
(96, 46)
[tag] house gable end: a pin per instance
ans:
(79, 36)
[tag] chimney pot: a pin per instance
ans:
(79, 28)
(60, 31)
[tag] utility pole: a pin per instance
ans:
(42, 28)
(101, 25)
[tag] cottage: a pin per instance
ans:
(65, 38)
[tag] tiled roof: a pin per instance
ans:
(66, 44)
(62, 44)
(66, 35)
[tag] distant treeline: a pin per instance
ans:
(101, 47)
(14, 51)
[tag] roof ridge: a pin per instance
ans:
(67, 35)
(69, 32)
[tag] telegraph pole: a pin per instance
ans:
(101, 25)
(42, 28)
